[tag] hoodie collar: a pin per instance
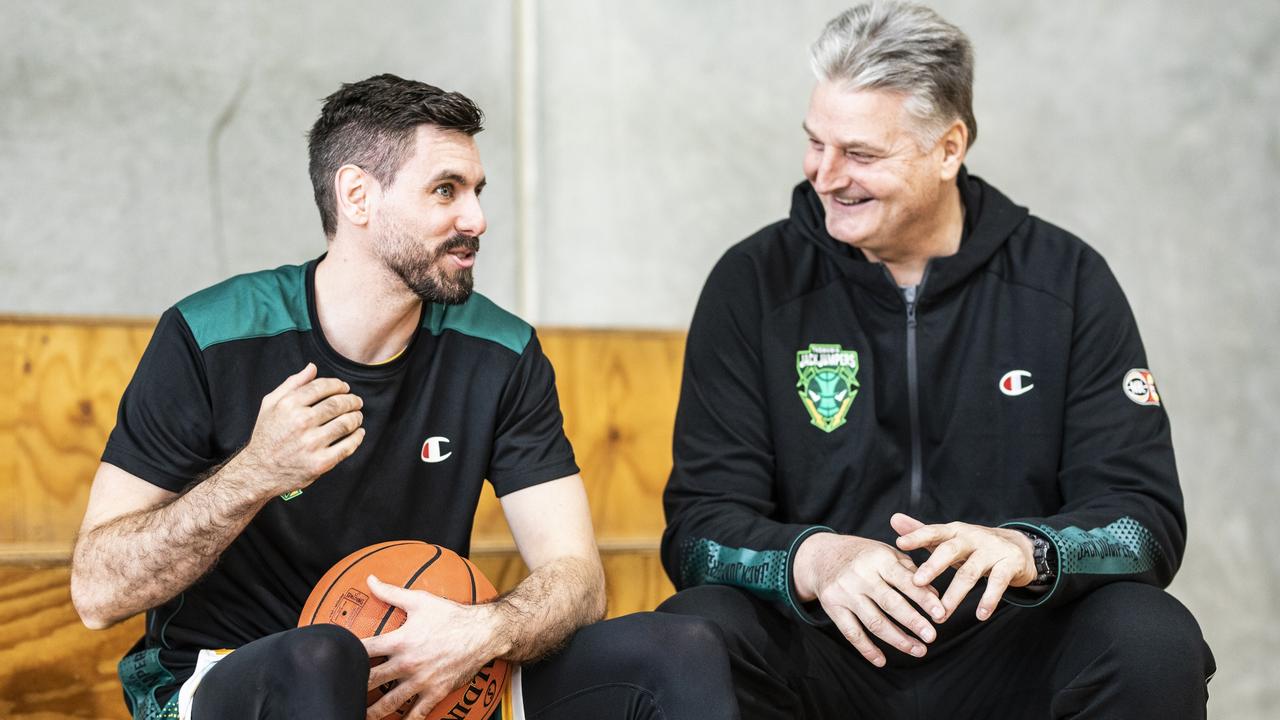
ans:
(990, 218)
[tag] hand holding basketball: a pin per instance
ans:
(305, 427)
(439, 647)
(432, 648)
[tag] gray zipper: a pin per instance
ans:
(913, 396)
(909, 295)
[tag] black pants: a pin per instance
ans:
(641, 666)
(1123, 651)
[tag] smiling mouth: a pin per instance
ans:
(852, 202)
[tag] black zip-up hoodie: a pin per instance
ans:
(1013, 392)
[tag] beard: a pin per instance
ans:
(426, 272)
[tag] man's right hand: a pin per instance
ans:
(863, 583)
(305, 427)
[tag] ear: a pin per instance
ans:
(953, 145)
(355, 191)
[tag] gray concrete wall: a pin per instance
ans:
(150, 149)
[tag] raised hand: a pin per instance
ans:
(305, 427)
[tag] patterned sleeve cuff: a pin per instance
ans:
(817, 617)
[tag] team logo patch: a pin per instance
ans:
(1140, 386)
(1014, 383)
(431, 449)
(828, 383)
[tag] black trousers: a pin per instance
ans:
(1124, 651)
(641, 667)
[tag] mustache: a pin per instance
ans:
(470, 243)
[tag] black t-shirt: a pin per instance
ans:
(472, 397)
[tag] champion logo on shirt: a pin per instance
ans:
(1014, 383)
(431, 449)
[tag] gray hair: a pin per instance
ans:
(905, 48)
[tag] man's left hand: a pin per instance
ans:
(1005, 557)
(438, 649)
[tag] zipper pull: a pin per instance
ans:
(909, 294)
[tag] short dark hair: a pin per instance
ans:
(373, 124)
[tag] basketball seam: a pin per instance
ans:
(467, 564)
(391, 611)
(347, 569)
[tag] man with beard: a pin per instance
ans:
(920, 469)
(282, 419)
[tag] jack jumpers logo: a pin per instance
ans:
(828, 383)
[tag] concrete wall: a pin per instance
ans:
(150, 149)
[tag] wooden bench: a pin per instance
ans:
(62, 380)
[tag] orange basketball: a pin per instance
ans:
(343, 598)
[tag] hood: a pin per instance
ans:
(990, 220)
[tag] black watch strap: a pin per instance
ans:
(1045, 556)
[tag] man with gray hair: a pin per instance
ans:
(911, 401)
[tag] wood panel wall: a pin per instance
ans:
(62, 380)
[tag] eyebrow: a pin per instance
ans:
(456, 177)
(845, 144)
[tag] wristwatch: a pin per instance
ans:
(1045, 556)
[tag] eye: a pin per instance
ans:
(444, 191)
(815, 145)
(860, 157)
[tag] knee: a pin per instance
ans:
(653, 640)
(697, 640)
(652, 645)
(744, 620)
(323, 650)
(727, 606)
(1149, 632)
(680, 660)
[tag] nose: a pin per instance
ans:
(827, 176)
(470, 219)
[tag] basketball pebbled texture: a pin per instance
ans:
(342, 597)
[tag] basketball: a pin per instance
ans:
(343, 598)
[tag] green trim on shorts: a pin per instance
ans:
(141, 674)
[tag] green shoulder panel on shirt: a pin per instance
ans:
(260, 304)
(480, 318)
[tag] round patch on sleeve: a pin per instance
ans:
(1140, 386)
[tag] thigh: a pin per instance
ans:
(782, 667)
(1124, 648)
(644, 665)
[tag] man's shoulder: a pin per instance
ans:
(774, 248)
(480, 318)
(1046, 257)
(257, 304)
(775, 240)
